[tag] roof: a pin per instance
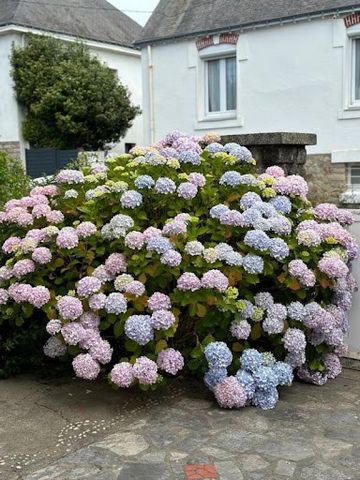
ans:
(182, 18)
(88, 19)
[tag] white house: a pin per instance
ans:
(245, 66)
(108, 32)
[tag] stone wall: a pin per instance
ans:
(11, 148)
(326, 180)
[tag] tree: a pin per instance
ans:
(71, 99)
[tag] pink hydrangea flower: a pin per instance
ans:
(275, 171)
(116, 263)
(70, 308)
(86, 229)
(20, 292)
(159, 301)
(170, 360)
(86, 367)
(41, 255)
(101, 351)
(229, 393)
(67, 238)
(23, 267)
(215, 279)
(88, 286)
(135, 288)
(53, 327)
(55, 217)
(145, 370)
(39, 296)
(122, 374)
(188, 281)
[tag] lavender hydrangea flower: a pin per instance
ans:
(162, 319)
(135, 288)
(131, 199)
(86, 367)
(231, 178)
(170, 360)
(90, 320)
(194, 248)
(87, 286)
(333, 365)
(138, 328)
(54, 348)
(116, 263)
(53, 327)
(135, 240)
(70, 308)
(41, 255)
(188, 281)
(86, 229)
(294, 340)
(296, 311)
(172, 258)
(215, 279)
(145, 370)
(23, 267)
(175, 227)
(234, 259)
(73, 333)
(158, 301)
(299, 270)
(218, 355)
(187, 190)
(67, 238)
(264, 300)
(101, 351)
(122, 374)
(240, 330)
(197, 179)
(39, 296)
(165, 185)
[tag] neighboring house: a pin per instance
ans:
(245, 66)
(108, 33)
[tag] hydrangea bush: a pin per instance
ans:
(181, 258)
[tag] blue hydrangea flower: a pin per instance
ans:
(213, 377)
(249, 199)
(266, 210)
(218, 355)
(116, 303)
(265, 378)
(248, 179)
(131, 199)
(144, 181)
(165, 185)
(257, 239)
(266, 399)
(172, 258)
(218, 210)
(241, 153)
(281, 203)
(187, 190)
(296, 311)
(251, 360)
(189, 156)
(231, 179)
(159, 244)
(250, 217)
(253, 264)
(222, 250)
(278, 249)
(233, 259)
(139, 329)
(215, 147)
(280, 225)
(247, 382)
(284, 373)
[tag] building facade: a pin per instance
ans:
(107, 32)
(235, 71)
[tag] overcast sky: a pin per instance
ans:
(139, 10)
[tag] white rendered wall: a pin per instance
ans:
(354, 316)
(128, 68)
(9, 113)
(290, 79)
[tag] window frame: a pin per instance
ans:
(223, 87)
(350, 186)
(355, 102)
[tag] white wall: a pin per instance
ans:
(354, 317)
(291, 79)
(9, 114)
(126, 61)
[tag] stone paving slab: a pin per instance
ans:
(72, 430)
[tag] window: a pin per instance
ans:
(356, 70)
(354, 177)
(221, 85)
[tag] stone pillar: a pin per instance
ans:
(285, 149)
(11, 148)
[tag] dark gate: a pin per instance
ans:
(47, 161)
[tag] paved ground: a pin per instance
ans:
(70, 430)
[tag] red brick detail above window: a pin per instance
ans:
(229, 38)
(204, 42)
(200, 472)
(352, 19)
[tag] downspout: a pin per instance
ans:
(151, 94)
